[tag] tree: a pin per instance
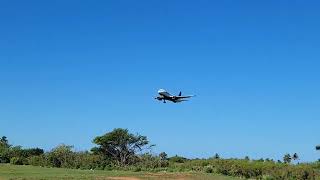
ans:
(16, 151)
(260, 160)
(120, 145)
(163, 156)
(33, 152)
(61, 156)
(247, 158)
(216, 156)
(287, 158)
(163, 159)
(4, 143)
(178, 159)
(269, 160)
(4, 150)
(295, 156)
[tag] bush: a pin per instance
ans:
(16, 161)
(5, 155)
(37, 160)
(302, 172)
(178, 159)
(197, 168)
(149, 162)
(61, 156)
(137, 169)
(247, 169)
(208, 169)
(85, 160)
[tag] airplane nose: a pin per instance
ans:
(161, 90)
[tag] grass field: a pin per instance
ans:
(30, 172)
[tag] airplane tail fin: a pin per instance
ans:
(180, 93)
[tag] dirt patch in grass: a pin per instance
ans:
(167, 176)
(123, 178)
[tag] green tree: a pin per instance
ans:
(32, 152)
(23, 154)
(163, 159)
(295, 156)
(163, 156)
(216, 156)
(247, 158)
(287, 158)
(61, 156)
(4, 143)
(4, 150)
(16, 151)
(120, 145)
(178, 159)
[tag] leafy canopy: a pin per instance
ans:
(120, 145)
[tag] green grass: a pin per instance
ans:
(30, 172)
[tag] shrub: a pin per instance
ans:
(208, 169)
(137, 169)
(4, 155)
(85, 160)
(197, 168)
(16, 161)
(178, 159)
(61, 156)
(150, 162)
(37, 160)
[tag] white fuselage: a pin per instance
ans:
(164, 95)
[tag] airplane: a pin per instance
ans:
(164, 95)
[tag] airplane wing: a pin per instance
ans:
(180, 100)
(181, 97)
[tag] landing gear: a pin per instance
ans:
(164, 101)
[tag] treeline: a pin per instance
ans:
(16, 155)
(121, 150)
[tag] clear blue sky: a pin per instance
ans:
(73, 70)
